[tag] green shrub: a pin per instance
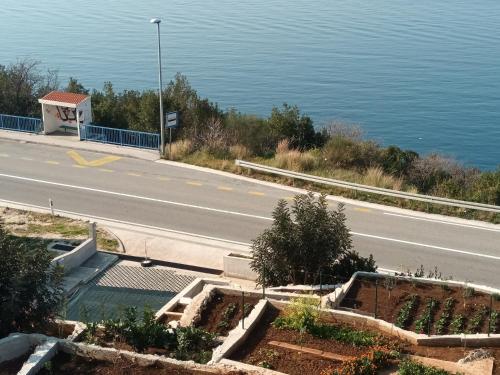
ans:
(444, 320)
(194, 344)
(408, 367)
(424, 322)
(301, 315)
(457, 324)
(405, 314)
(343, 334)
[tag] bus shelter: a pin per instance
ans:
(65, 112)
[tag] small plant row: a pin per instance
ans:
(367, 364)
(494, 322)
(227, 316)
(408, 367)
(444, 319)
(405, 313)
(423, 323)
(477, 319)
(457, 324)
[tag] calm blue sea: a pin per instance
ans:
(421, 74)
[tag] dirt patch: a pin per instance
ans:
(68, 364)
(41, 229)
(223, 313)
(13, 366)
(391, 294)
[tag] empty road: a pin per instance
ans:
(170, 197)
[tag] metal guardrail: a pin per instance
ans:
(120, 137)
(369, 189)
(21, 124)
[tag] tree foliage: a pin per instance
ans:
(21, 85)
(30, 290)
(303, 240)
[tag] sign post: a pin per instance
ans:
(172, 123)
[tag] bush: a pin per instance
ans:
(180, 149)
(375, 176)
(350, 262)
(194, 344)
(408, 367)
(396, 161)
(31, 292)
(342, 152)
(301, 315)
(296, 248)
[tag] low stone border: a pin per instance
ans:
(187, 294)
(478, 367)
(472, 340)
(251, 369)
(76, 257)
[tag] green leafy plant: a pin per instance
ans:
(343, 334)
(408, 367)
(476, 321)
(444, 319)
(494, 321)
(227, 315)
(300, 315)
(194, 344)
(457, 324)
(405, 313)
(423, 323)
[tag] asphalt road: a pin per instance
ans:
(208, 204)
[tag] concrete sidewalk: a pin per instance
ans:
(68, 141)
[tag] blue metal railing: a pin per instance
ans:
(21, 124)
(119, 137)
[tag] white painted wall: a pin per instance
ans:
(76, 257)
(55, 116)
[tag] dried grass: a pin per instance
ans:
(239, 152)
(181, 149)
(377, 177)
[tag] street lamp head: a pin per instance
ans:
(155, 20)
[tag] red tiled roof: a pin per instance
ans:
(65, 97)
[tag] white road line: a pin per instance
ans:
(106, 221)
(440, 248)
(134, 197)
(442, 222)
(446, 249)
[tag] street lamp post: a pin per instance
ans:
(157, 21)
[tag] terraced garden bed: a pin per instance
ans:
(312, 352)
(224, 311)
(64, 363)
(423, 307)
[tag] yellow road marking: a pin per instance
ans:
(161, 178)
(4, 155)
(79, 166)
(93, 163)
(289, 198)
(360, 209)
(106, 170)
(194, 183)
(134, 174)
(225, 188)
(256, 193)
(52, 162)
(27, 159)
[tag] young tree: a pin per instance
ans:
(303, 241)
(30, 289)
